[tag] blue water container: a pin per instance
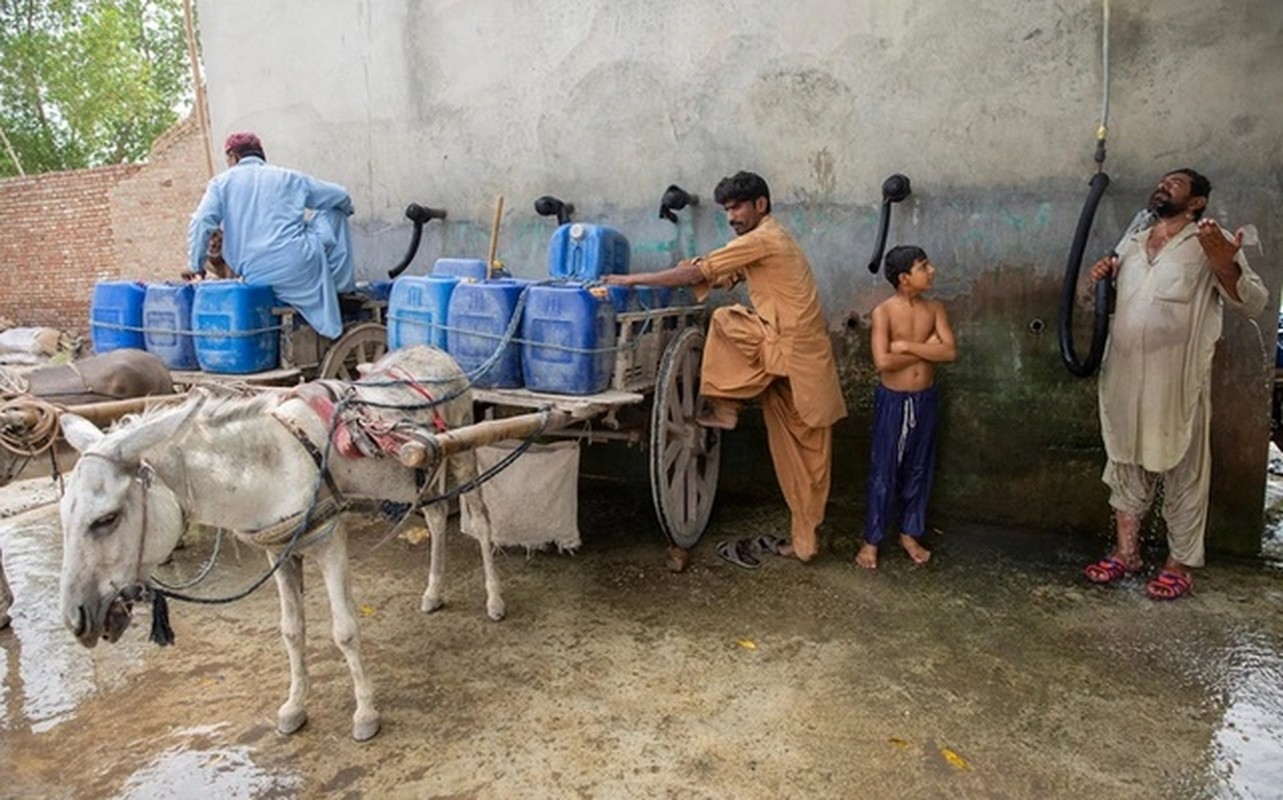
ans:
(116, 316)
(234, 328)
(418, 309)
(586, 252)
(375, 290)
(479, 315)
(473, 269)
(652, 297)
(569, 338)
(622, 298)
(167, 318)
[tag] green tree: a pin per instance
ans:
(89, 82)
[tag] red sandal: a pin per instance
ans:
(1107, 570)
(1169, 585)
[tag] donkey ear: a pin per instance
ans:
(153, 431)
(79, 432)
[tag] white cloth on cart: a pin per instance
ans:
(534, 502)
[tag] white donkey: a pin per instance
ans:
(251, 466)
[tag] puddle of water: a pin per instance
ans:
(181, 772)
(48, 678)
(1272, 541)
(46, 674)
(1249, 745)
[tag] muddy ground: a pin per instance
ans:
(994, 672)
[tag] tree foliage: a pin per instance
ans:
(89, 82)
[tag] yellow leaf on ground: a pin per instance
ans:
(748, 644)
(903, 744)
(955, 759)
(366, 610)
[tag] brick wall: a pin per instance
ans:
(150, 208)
(62, 232)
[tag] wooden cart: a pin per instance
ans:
(657, 366)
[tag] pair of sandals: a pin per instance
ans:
(1167, 585)
(744, 552)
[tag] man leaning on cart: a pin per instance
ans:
(778, 350)
(268, 237)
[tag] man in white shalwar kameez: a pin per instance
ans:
(1173, 281)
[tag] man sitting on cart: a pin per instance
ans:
(779, 350)
(268, 236)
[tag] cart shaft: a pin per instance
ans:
(470, 437)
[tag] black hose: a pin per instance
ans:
(675, 199)
(549, 206)
(1068, 291)
(418, 215)
(894, 189)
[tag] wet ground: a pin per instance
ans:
(994, 672)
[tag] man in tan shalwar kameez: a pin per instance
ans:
(1155, 382)
(779, 350)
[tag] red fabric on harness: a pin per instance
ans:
(399, 374)
(358, 428)
(319, 400)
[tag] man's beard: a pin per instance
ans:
(1161, 204)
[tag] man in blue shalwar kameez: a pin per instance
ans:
(269, 237)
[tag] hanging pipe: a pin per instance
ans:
(1068, 290)
(419, 215)
(1104, 287)
(894, 189)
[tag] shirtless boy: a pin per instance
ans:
(911, 334)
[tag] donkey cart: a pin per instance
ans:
(652, 400)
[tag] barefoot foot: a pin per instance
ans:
(867, 556)
(720, 414)
(787, 550)
(917, 552)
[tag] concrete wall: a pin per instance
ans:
(989, 106)
(60, 233)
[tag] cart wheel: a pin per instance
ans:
(360, 344)
(684, 457)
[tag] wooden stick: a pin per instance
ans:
(470, 437)
(198, 83)
(109, 411)
(100, 414)
(494, 238)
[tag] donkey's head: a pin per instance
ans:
(119, 520)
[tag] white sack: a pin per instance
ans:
(535, 501)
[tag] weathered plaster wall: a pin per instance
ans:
(990, 107)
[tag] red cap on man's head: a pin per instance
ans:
(242, 141)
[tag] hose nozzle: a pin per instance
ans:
(548, 206)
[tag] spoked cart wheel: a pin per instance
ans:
(360, 344)
(684, 457)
